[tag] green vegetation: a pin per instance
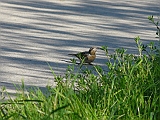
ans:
(129, 90)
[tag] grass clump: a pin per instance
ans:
(130, 89)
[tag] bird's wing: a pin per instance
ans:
(83, 55)
(86, 53)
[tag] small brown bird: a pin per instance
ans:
(87, 56)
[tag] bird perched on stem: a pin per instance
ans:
(87, 56)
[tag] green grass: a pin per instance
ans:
(129, 90)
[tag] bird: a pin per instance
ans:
(87, 56)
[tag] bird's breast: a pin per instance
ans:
(90, 58)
